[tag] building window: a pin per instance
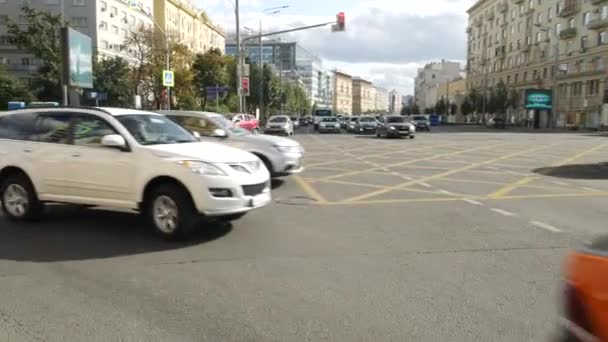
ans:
(593, 87)
(604, 12)
(123, 33)
(521, 9)
(3, 19)
(545, 73)
(535, 74)
(539, 37)
(103, 6)
(4, 40)
(26, 61)
(52, 2)
(584, 42)
(79, 21)
(103, 26)
(79, 2)
(602, 38)
(558, 29)
(114, 29)
(558, 7)
(519, 27)
(513, 14)
(113, 11)
(508, 79)
(539, 18)
(549, 13)
(571, 23)
(525, 77)
(516, 78)
(4, 60)
(586, 18)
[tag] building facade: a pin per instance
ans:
(394, 102)
(107, 22)
(560, 45)
(189, 26)
(454, 92)
(429, 77)
(364, 96)
(343, 93)
(280, 53)
(381, 104)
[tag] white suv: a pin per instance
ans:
(127, 159)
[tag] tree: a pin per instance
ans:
(111, 76)
(467, 106)
(441, 107)
(209, 71)
(514, 98)
(499, 99)
(453, 108)
(12, 90)
(41, 38)
(415, 109)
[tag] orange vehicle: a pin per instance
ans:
(586, 294)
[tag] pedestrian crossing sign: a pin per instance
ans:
(168, 80)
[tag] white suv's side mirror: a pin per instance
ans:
(219, 133)
(114, 140)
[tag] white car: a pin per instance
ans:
(279, 124)
(282, 156)
(124, 159)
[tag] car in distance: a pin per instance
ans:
(281, 156)
(351, 126)
(303, 121)
(395, 126)
(329, 124)
(279, 124)
(124, 159)
(366, 125)
(422, 123)
(498, 123)
(247, 121)
(585, 314)
(295, 121)
(344, 121)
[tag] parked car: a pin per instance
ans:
(329, 124)
(296, 122)
(125, 159)
(281, 156)
(303, 121)
(351, 127)
(422, 122)
(279, 124)
(498, 123)
(395, 126)
(247, 121)
(585, 314)
(366, 125)
(344, 121)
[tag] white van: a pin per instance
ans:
(127, 159)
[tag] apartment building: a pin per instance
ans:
(107, 22)
(394, 102)
(342, 93)
(543, 44)
(189, 26)
(364, 96)
(429, 77)
(381, 100)
(454, 92)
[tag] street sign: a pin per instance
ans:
(215, 92)
(168, 79)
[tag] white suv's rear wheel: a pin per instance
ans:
(172, 212)
(19, 199)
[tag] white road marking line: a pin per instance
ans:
(406, 177)
(446, 192)
(468, 200)
(545, 226)
(395, 174)
(491, 168)
(503, 212)
(589, 189)
(560, 183)
(426, 185)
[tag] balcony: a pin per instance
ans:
(572, 7)
(517, 2)
(597, 23)
(502, 7)
(567, 33)
(597, 2)
(489, 15)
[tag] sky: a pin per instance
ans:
(386, 41)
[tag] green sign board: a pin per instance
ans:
(78, 52)
(540, 99)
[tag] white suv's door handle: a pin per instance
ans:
(75, 154)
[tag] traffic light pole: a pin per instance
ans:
(259, 36)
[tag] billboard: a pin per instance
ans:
(78, 59)
(538, 99)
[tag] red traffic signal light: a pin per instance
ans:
(340, 22)
(245, 86)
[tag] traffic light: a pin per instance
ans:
(245, 86)
(340, 22)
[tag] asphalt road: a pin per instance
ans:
(457, 235)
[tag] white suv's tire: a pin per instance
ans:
(171, 211)
(19, 199)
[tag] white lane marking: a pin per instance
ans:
(406, 177)
(503, 212)
(545, 226)
(426, 185)
(446, 192)
(560, 183)
(491, 168)
(468, 200)
(589, 189)
(395, 174)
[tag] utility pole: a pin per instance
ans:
(239, 62)
(554, 114)
(281, 81)
(64, 80)
(261, 64)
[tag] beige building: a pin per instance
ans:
(454, 92)
(520, 42)
(364, 96)
(342, 99)
(381, 104)
(189, 26)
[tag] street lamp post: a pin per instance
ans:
(552, 123)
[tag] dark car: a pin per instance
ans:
(498, 123)
(303, 121)
(366, 125)
(422, 123)
(395, 126)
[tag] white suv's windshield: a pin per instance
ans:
(155, 129)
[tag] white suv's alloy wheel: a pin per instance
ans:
(166, 214)
(16, 200)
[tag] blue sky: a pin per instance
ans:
(386, 40)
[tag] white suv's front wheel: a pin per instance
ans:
(172, 212)
(19, 199)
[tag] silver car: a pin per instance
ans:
(329, 124)
(279, 124)
(282, 156)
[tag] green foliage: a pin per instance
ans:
(499, 99)
(41, 38)
(209, 70)
(441, 107)
(12, 90)
(111, 76)
(467, 106)
(453, 108)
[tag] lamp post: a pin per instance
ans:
(554, 114)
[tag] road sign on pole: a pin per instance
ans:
(245, 86)
(168, 79)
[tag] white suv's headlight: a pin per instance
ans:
(392, 127)
(202, 167)
(288, 149)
